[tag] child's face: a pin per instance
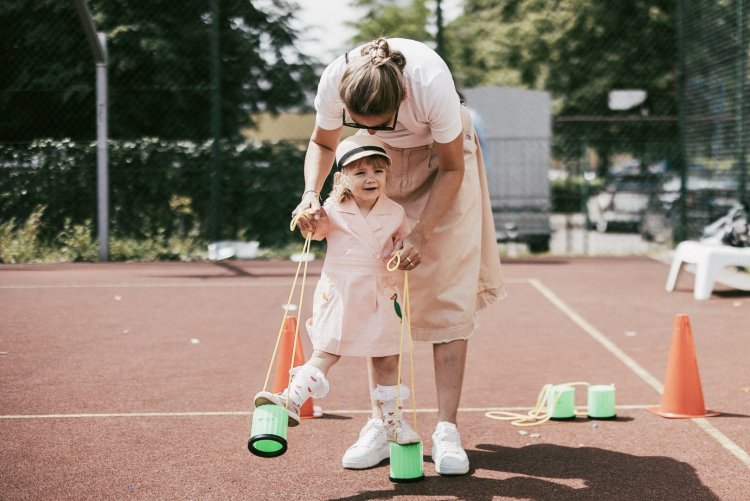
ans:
(368, 181)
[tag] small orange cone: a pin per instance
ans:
(281, 376)
(683, 395)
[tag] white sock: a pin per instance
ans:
(387, 398)
(307, 381)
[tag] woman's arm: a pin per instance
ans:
(442, 196)
(318, 162)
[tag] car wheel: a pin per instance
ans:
(538, 244)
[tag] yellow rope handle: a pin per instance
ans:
(394, 262)
(305, 250)
(295, 220)
(405, 323)
(541, 413)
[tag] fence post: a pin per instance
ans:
(740, 108)
(680, 233)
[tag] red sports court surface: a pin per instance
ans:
(135, 381)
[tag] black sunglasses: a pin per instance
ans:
(375, 127)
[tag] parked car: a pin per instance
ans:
(622, 202)
(709, 196)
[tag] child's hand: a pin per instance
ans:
(315, 222)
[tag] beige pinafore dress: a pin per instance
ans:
(460, 269)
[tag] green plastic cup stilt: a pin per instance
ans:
(561, 402)
(601, 401)
(406, 463)
(268, 432)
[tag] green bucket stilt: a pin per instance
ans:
(406, 463)
(268, 432)
(601, 401)
(561, 402)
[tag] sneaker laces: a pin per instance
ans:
(287, 402)
(449, 440)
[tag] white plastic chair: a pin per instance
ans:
(708, 259)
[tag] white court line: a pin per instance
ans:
(257, 282)
(249, 413)
(723, 440)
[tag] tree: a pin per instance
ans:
(578, 50)
(159, 72)
(392, 18)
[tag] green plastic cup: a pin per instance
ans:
(601, 403)
(406, 463)
(561, 402)
(268, 431)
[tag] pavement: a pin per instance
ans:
(135, 381)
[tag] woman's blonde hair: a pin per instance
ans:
(342, 184)
(374, 84)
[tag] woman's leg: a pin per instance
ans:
(450, 362)
(448, 454)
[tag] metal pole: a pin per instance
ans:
(439, 40)
(740, 123)
(215, 217)
(102, 155)
(680, 233)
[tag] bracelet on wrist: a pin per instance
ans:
(310, 191)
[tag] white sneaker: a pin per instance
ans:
(447, 454)
(370, 448)
(406, 434)
(268, 398)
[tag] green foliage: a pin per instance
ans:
(159, 72)
(76, 242)
(19, 243)
(569, 195)
(578, 50)
(159, 191)
(387, 18)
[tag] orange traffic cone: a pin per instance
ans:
(281, 376)
(683, 396)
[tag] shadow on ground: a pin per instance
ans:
(554, 472)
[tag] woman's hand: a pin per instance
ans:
(411, 251)
(308, 211)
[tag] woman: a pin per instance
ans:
(403, 92)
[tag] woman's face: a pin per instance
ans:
(368, 181)
(381, 120)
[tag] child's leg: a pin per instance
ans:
(377, 412)
(308, 380)
(386, 394)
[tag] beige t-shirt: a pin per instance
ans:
(430, 112)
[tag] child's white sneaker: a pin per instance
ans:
(447, 454)
(370, 448)
(268, 398)
(403, 433)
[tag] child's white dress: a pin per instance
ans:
(353, 311)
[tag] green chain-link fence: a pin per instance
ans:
(169, 99)
(165, 109)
